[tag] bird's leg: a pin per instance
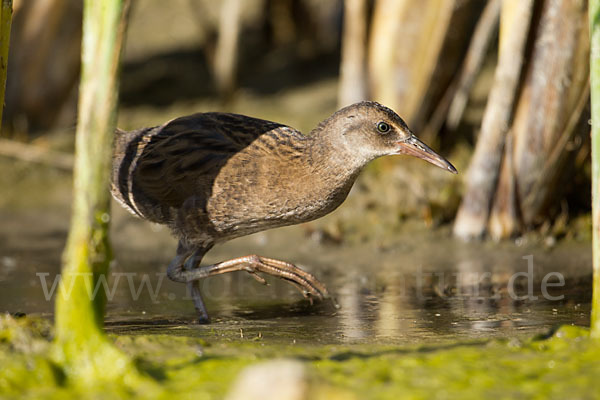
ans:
(253, 264)
(185, 261)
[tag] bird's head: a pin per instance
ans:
(373, 130)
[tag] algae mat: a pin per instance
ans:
(561, 365)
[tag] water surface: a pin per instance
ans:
(420, 286)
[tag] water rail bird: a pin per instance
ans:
(212, 177)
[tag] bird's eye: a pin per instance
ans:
(383, 127)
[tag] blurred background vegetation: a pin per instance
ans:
(499, 87)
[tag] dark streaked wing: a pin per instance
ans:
(187, 153)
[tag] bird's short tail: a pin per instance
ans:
(125, 150)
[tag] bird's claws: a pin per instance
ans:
(334, 302)
(309, 297)
(258, 278)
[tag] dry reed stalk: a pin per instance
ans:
(482, 176)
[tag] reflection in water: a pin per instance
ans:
(391, 312)
(351, 316)
(433, 289)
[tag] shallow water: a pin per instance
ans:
(419, 286)
(434, 289)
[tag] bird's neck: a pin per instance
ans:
(332, 168)
(324, 151)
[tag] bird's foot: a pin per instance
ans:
(184, 268)
(305, 282)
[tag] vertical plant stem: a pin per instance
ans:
(81, 345)
(5, 23)
(226, 53)
(452, 105)
(594, 15)
(353, 74)
(484, 34)
(381, 56)
(482, 177)
(546, 118)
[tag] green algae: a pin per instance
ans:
(563, 364)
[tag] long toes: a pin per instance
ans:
(305, 287)
(307, 291)
(310, 285)
(306, 283)
(307, 279)
(313, 293)
(258, 278)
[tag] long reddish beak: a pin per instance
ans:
(414, 147)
